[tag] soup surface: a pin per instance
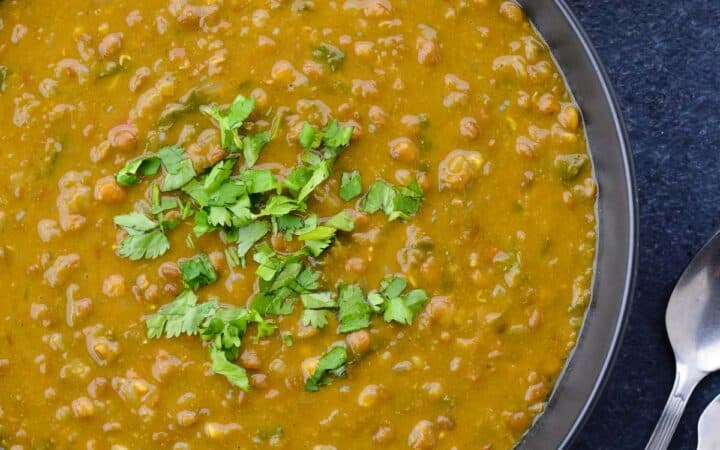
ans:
(285, 224)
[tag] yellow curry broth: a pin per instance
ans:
(462, 95)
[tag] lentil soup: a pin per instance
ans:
(285, 224)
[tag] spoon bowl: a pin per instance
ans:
(692, 319)
(708, 433)
(693, 313)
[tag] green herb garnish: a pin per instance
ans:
(331, 363)
(354, 311)
(350, 185)
(230, 120)
(145, 165)
(178, 169)
(398, 202)
(197, 271)
(145, 239)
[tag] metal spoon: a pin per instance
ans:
(709, 427)
(693, 325)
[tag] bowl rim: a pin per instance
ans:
(584, 376)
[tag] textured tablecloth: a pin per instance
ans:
(664, 61)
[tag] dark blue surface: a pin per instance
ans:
(663, 57)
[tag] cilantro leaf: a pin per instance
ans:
(380, 196)
(248, 235)
(196, 191)
(342, 221)
(135, 223)
(252, 145)
(147, 245)
(236, 375)
(225, 328)
(297, 179)
(309, 138)
(320, 173)
(331, 363)
(351, 185)
(396, 202)
(308, 280)
(335, 136)
(316, 318)
(181, 316)
(396, 310)
(318, 233)
(230, 119)
(219, 216)
(217, 176)
(330, 55)
(145, 165)
(276, 303)
(407, 201)
(145, 238)
(259, 181)
(198, 271)
(317, 300)
(287, 224)
(202, 223)
(354, 311)
(393, 286)
(178, 169)
(399, 307)
(280, 205)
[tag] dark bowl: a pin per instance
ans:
(589, 364)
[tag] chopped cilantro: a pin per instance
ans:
(282, 278)
(318, 233)
(342, 221)
(335, 136)
(252, 145)
(223, 327)
(318, 300)
(277, 303)
(280, 205)
(331, 363)
(217, 176)
(198, 271)
(350, 186)
(259, 181)
(330, 55)
(145, 238)
(404, 309)
(145, 165)
(354, 311)
(244, 208)
(316, 318)
(226, 327)
(287, 224)
(181, 316)
(248, 236)
(398, 307)
(236, 375)
(320, 173)
(230, 120)
(380, 196)
(309, 138)
(297, 178)
(397, 202)
(178, 169)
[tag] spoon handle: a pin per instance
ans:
(685, 382)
